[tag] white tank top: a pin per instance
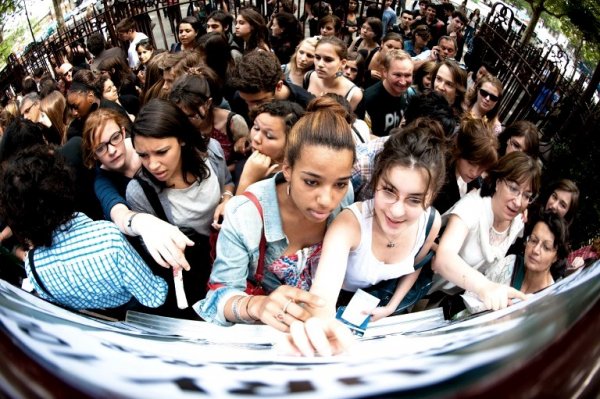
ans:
(364, 269)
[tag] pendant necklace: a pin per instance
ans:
(390, 243)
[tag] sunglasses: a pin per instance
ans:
(485, 93)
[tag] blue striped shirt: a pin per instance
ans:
(90, 265)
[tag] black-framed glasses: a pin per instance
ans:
(485, 93)
(115, 139)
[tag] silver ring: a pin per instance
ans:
(279, 316)
(290, 301)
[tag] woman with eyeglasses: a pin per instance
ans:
(542, 260)
(520, 136)
(483, 101)
(379, 245)
(482, 226)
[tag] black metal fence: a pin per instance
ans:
(540, 82)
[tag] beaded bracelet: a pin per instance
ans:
(234, 309)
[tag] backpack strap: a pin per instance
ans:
(357, 134)
(306, 79)
(429, 254)
(152, 197)
(350, 91)
(262, 247)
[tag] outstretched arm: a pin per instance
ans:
(453, 268)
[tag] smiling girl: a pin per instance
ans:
(381, 240)
(482, 226)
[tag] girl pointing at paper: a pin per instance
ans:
(378, 245)
(290, 212)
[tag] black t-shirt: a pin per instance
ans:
(384, 109)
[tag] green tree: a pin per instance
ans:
(7, 7)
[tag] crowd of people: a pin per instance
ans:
(251, 174)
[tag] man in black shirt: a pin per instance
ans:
(385, 101)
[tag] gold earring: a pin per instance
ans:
(288, 189)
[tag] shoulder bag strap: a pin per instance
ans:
(430, 254)
(35, 274)
(152, 197)
(306, 80)
(357, 134)
(262, 247)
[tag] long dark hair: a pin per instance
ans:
(161, 119)
(260, 33)
(419, 145)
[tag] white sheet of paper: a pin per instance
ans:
(357, 310)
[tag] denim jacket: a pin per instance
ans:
(237, 247)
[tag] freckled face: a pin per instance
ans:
(540, 251)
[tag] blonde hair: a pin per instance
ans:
(311, 41)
